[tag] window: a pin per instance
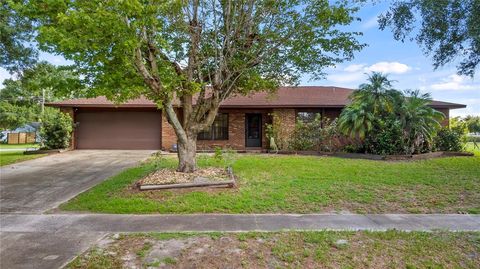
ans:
(308, 116)
(218, 130)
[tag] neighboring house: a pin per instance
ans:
(27, 133)
(240, 124)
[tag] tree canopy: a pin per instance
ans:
(171, 51)
(16, 33)
(447, 29)
(21, 97)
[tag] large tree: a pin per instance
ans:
(448, 29)
(193, 54)
(16, 33)
(22, 98)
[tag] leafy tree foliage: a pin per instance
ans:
(473, 123)
(173, 51)
(22, 97)
(14, 116)
(449, 29)
(389, 121)
(16, 33)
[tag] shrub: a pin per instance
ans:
(384, 139)
(450, 139)
(317, 135)
(56, 129)
(307, 135)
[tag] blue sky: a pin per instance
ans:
(404, 62)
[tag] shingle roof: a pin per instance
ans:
(303, 96)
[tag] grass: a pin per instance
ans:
(9, 157)
(18, 146)
(471, 148)
(300, 184)
(319, 249)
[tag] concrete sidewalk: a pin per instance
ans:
(51, 241)
(226, 222)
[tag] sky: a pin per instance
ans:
(404, 62)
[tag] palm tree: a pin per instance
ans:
(419, 121)
(374, 99)
(378, 93)
(356, 119)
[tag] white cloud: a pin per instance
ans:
(389, 68)
(354, 74)
(453, 82)
(354, 68)
(345, 77)
(384, 67)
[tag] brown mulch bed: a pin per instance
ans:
(171, 176)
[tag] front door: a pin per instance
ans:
(253, 130)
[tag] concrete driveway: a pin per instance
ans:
(38, 185)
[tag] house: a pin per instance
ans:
(240, 124)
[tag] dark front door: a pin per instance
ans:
(253, 130)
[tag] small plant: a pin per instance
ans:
(218, 155)
(169, 260)
(226, 156)
(144, 250)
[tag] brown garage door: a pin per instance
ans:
(118, 130)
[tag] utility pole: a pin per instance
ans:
(43, 100)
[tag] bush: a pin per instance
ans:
(384, 139)
(450, 139)
(56, 129)
(307, 135)
(317, 135)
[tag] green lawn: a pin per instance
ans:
(300, 184)
(471, 148)
(18, 146)
(320, 249)
(9, 157)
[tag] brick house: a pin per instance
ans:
(240, 124)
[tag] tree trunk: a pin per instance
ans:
(186, 154)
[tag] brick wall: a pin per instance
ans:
(236, 130)
(284, 121)
(446, 112)
(168, 134)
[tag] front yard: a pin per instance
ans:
(9, 157)
(322, 249)
(299, 184)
